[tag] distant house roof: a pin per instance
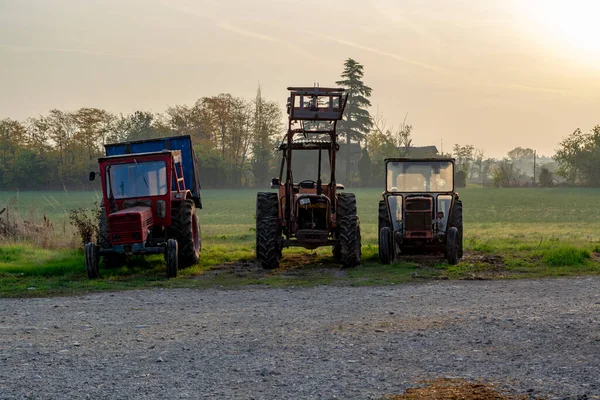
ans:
(419, 151)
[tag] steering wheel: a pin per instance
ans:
(308, 184)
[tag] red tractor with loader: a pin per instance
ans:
(304, 211)
(150, 193)
(420, 211)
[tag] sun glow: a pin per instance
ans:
(568, 26)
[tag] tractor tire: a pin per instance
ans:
(91, 261)
(456, 221)
(172, 257)
(110, 260)
(386, 255)
(452, 246)
(336, 252)
(268, 251)
(350, 241)
(346, 206)
(383, 220)
(185, 228)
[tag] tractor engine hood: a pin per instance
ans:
(130, 225)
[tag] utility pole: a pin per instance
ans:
(534, 156)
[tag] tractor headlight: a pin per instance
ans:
(161, 208)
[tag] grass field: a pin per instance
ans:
(508, 233)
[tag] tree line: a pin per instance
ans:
(233, 138)
(235, 141)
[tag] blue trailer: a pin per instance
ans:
(182, 143)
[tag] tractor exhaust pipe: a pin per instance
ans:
(319, 183)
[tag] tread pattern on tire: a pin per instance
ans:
(346, 206)
(91, 261)
(182, 225)
(350, 241)
(383, 221)
(456, 221)
(451, 246)
(267, 230)
(172, 258)
(385, 245)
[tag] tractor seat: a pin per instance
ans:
(307, 184)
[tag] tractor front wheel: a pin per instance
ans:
(383, 219)
(185, 228)
(350, 241)
(452, 250)
(268, 248)
(385, 246)
(91, 261)
(172, 256)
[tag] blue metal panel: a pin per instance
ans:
(182, 143)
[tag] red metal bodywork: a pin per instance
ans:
(142, 211)
(130, 225)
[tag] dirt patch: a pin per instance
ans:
(292, 265)
(241, 269)
(484, 266)
(445, 388)
(493, 261)
(595, 256)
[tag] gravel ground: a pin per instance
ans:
(534, 337)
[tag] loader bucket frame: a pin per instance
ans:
(311, 104)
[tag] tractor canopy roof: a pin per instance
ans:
(424, 159)
(421, 175)
(176, 154)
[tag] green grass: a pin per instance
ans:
(509, 233)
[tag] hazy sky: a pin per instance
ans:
(495, 74)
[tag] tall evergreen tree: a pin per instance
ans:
(357, 121)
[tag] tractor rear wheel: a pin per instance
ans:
(346, 206)
(172, 257)
(91, 261)
(110, 260)
(185, 228)
(452, 246)
(456, 221)
(268, 248)
(385, 245)
(350, 241)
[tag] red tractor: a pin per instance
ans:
(304, 211)
(150, 192)
(420, 211)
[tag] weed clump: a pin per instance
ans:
(85, 223)
(565, 256)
